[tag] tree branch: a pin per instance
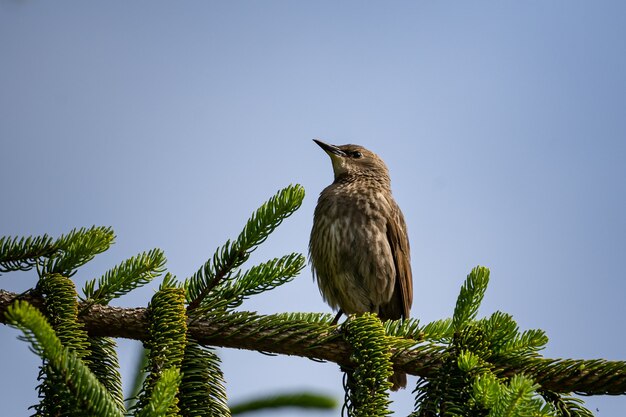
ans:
(590, 377)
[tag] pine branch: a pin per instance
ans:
(258, 279)
(367, 384)
(202, 390)
(279, 401)
(163, 396)
(166, 342)
(472, 293)
(65, 363)
(222, 266)
(77, 248)
(61, 256)
(312, 336)
(104, 363)
(130, 274)
(23, 254)
(61, 306)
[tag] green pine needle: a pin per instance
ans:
(202, 390)
(222, 266)
(62, 308)
(130, 274)
(368, 384)
(517, 399)
(303, 400)
(23, 254)
(77, 248)
(104, 363)
(439, 331)
(163, 397)
(471, 296)
(408, 328)
(92, 395)
(269, 216)
(167, 341)
(258, 279)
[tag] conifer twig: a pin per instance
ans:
(590, 377)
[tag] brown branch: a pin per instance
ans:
(591, 377)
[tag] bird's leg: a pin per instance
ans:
(337, 317)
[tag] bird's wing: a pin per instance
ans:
(399, 243)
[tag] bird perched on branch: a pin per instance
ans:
(359, 248)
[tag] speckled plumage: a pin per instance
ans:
(359, 249)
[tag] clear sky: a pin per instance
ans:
(503, 125)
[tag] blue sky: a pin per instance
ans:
(503, 125)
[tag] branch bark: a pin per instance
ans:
(590, 377)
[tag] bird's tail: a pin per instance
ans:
(398, 380)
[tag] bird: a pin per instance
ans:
(359, 247)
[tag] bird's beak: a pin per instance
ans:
(330, 149)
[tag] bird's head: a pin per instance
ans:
(354, 161)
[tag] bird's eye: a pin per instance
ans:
(357, 154)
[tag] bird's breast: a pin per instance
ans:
(350, 253)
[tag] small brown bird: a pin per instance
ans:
(359, 248)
